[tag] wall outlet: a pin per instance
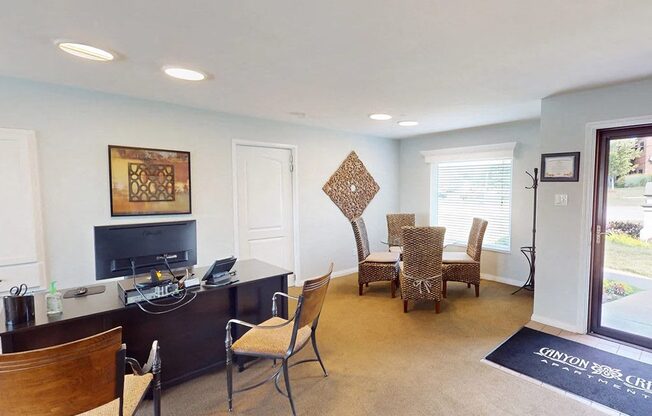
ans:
(561, 200)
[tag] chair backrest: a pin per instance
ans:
(361, 238)
(423, 248)
(312, 299)
(394, 224)
(309, 305)
(476, 235)
(66, 379)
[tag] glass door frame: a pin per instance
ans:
(598, 227)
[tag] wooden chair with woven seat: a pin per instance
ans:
(395, 222)
(379, 266)
(280, 339)
(465, 266)
(80, 377)
(421, 268)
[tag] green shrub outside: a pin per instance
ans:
(616, 288)
(630, 228)
(633, 180)
(627, 240)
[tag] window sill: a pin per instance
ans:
(494, 249)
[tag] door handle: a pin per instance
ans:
(598, 234)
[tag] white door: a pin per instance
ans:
(264, 204)
(21, 233)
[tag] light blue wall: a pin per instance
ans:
(562, 286)
(415, 184)
(73, 128)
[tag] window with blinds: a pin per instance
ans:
(468, 189)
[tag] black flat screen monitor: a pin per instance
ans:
(147, 245)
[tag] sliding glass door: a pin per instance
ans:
(621, 296)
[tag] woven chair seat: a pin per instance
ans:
(457, 257)
(465, 267)
(135, 388)
(270, 342)
(382, 257)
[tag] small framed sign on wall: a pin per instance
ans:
(560, 167)
(149, 181)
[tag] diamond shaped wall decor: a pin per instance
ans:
(351, 187)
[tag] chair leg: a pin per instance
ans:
(156, 396)
(477, 291)
(468, 285)
(287, 385)
(314, 347)
(360, 289)
(392, 285)
(443, 291)
(437, 306)
(156, 386)
(229, 377)
(405, 305)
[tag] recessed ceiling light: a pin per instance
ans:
(380, 117)
(184, 73)
(86, 51)
(408, 123)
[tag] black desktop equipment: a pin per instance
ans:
(219, 273)
(132, 291)
(132, 249)
(148, 245)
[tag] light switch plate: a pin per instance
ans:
(561, 200)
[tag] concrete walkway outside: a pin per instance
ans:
(631, 314)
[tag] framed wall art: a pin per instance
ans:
(149, 181)
(560, 167)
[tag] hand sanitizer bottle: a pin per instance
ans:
(54, 300)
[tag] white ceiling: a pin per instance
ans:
(446, 63)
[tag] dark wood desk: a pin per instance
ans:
(191, 338)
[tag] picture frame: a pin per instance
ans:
(145, 181)
(560, 167)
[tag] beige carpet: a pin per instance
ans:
(384, 362)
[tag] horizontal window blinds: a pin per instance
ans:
(470, 189)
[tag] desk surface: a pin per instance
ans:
(247, 271)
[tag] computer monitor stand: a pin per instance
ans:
(219, 279)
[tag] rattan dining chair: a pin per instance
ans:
(83, 377)
(395, 222)
(421, 269)
(465, 266)
(379, 266)
(280, 339)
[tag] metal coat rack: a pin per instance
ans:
(530, 252)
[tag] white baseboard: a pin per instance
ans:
(485, 276)
(500, 279)
(557, 324)
(337, 273)
(345, 272)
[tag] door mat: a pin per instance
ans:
(617, 382)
